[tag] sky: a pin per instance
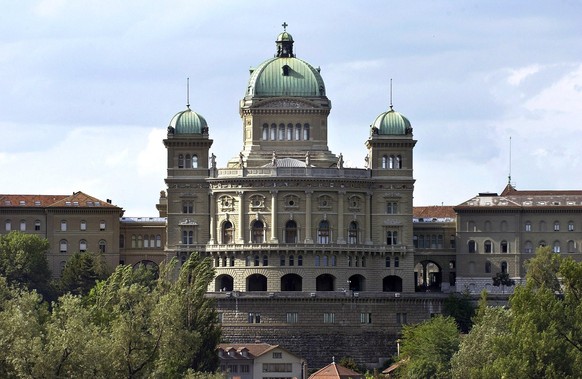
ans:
(88, 88)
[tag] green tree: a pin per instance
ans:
(23, 261)
(427, 348)
(459, 307)
(81, 273)
(502, 279)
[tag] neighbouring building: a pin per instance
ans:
(259, 361)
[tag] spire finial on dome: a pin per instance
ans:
(391, 106)
(188, 93)
(284, 43)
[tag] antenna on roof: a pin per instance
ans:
(390, 93)
(188, 92)
(509, 176)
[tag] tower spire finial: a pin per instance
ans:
(188, 93)
(391, 105)
(509, 176)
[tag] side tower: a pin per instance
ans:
(390, 151)
(188, 218)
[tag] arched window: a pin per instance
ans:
(265, 132)
(504, 247)
(146, 242)
(323, 232)
(63, 226)
(488, 267)
(306, 132)
(353, 233)
(556, 247)
(282, 260)
(273, 132)
(63, 245)
(316, 261)
(472, 246)
(194, 161)
(398, 163)
(324, 261)
(227, 231)
(297, 132)
(384, 161)
(528, 247)
(133, 241)
(23, 225)
(158, 240)
(556, 226)
(392, 161)
(180, 160)
(281, 132)
(258, 232)
(291, 260)
(388, 261)
(488, 246)
(256, 260)
(37, 225)
(290, 132)
(223, 261)
(504, 267)
(102, 246)
(300, 260)
(571, 247)
(188, 161)
(265, 260)
(542, 226)
(291, 232)
(231, 261)
(139, 241)
(570, 226)
(528, 226)
(82, 246)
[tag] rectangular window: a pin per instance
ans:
(63, 226)
(232, 368)
(23, 226)
(102, 225)
(37, 225)
(365, 318)
(401, 318)
(254, 318)
(188, 207)
(392, 207)
(329, 318)
(83, 225)
(556, 227)
(292, 318)
(277, 355)
(277, 367)
(571, 227)
(396, 262)
(245, 368)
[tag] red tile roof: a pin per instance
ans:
(335, 371)
(434, 211)
(77, 199)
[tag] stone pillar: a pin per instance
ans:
(241, 224)
(368, 217)
(274, 211)
(340, 217)
(308, 238)
(212, 240)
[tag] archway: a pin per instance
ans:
(223, 283)
(427, 276)
(291, 282)
(325, 282)
(256, 282)
(392, 283)
(357, 283)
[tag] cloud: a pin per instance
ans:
(518, 75)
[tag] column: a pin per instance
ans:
(212, 219)
(308, 238)
(368, 217)
(241, 214)
(274, 211)
(340, 217)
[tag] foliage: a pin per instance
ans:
(502, 279)
(349, 362)
(23, 261)
(427, 348)
(81, 273)
(123, 328)
(540, 336)
(461, 309)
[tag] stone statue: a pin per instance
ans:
(213, 161)
(367, 161)
(307, 159)
(340, 161)
(241, 162)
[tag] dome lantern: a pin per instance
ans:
(284, 44)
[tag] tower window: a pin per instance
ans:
(286, 70)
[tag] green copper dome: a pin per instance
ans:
(285, 77)
(188, 122)
(392, 123)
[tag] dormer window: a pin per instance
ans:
(286, 70)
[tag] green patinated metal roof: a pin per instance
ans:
(284, 37)
(285, 77)
(392, 123)
(188, 122)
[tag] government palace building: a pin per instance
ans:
(319, 258)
